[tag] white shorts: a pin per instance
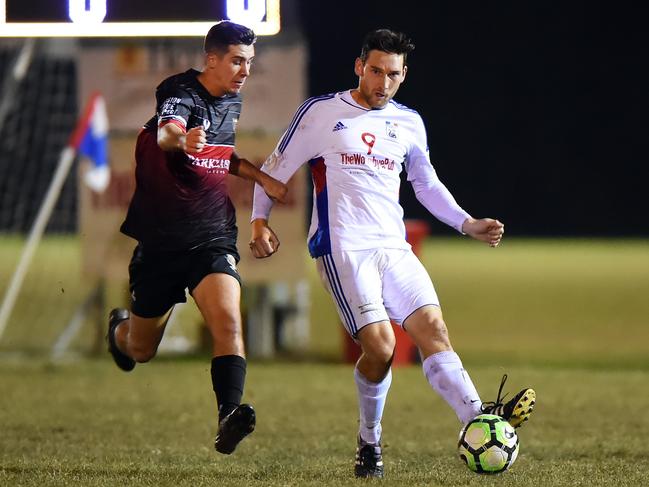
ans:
(375, 285)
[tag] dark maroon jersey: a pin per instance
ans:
(181, 200)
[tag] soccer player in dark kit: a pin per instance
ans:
(184, 222)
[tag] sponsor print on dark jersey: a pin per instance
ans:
(215, 159)
(181, 200)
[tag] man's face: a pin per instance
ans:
(228, 72)
(379, 77)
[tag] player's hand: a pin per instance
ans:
(263, 242)
(195, 140)
(276, 190)
(486, 229)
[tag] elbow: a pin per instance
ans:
(421, 192)
(171, 138)
(424, 190)
(161, 137)
(162, 141)
(167, 143)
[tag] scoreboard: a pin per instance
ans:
(132, 18)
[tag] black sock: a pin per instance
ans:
(228, 377)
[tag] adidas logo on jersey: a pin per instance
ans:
(339, 126)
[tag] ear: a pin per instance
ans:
(403, 75)
(211, 59)
(358, 67)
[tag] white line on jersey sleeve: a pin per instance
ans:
(298, 145)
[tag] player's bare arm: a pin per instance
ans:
(276, 190)
(173, 138)
(263, 242)
(485, 229)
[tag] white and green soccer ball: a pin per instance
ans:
(488, 444)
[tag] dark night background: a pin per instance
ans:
(536, 112)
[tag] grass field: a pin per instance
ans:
(554, 301)
(89, 424)
(567, 317)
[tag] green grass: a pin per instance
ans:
(561, 302)
(90, 424)
(556, 302)
(52, 289)
(568, 317)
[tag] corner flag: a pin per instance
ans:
(90, 139)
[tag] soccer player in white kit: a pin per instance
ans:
(356, 143)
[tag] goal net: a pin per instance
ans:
(81, 249)
(39, 111)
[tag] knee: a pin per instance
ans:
(227, 330)
(428, 330)
(438, 334)
(381, 350)
(438, 329)
(232, 328)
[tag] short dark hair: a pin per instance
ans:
(386, 40)
(224, 34)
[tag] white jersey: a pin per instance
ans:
(356, 155)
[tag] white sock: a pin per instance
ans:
(371, 400)
(446, 375)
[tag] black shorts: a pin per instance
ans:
(158, 279)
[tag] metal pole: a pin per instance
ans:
(35, 235)
(13, 80)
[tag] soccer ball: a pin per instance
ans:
(488, 444)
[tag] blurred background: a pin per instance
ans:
(535, 113)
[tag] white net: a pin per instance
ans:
(81, 245)
(40, 113)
